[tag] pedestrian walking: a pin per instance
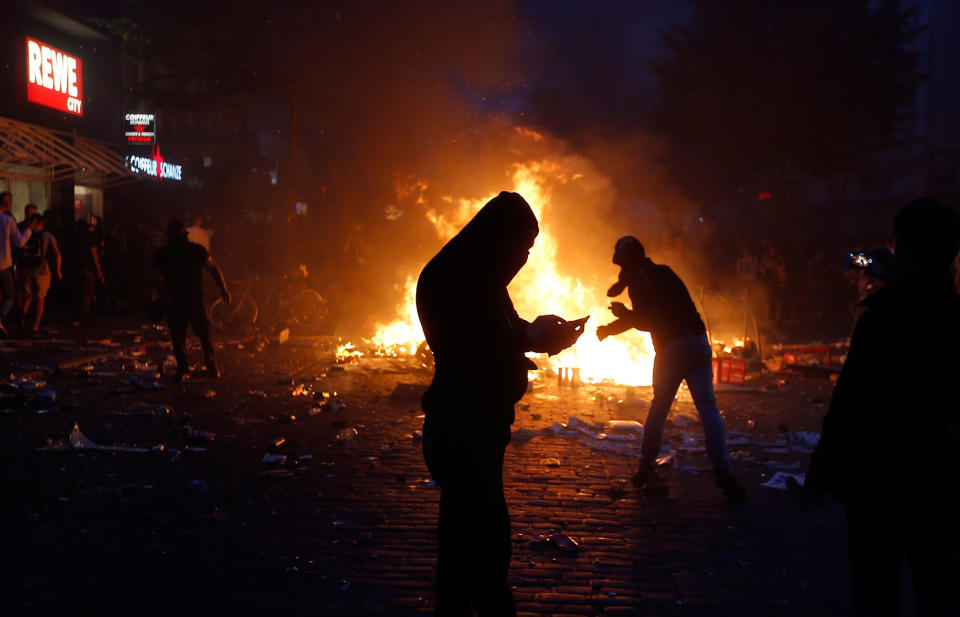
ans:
(478, 342)
(181, 264)
(34, 273)
(11, 237)
(661, 305)
(898, 388)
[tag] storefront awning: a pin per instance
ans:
(26, 149)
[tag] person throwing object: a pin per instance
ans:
(661, 305)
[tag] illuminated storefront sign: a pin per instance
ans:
(140, 128)
(54, 78)
(155, 166)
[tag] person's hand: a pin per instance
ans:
(619, 310)
(226, 297)
(59, 275)
(101, 278)
(551, 334)
(602, 332)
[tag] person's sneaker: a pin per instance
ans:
(729, 485)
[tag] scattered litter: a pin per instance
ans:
(779, 480)
(521, 434)
(316, 410)
(557, 540)
(302, 390)
(279, 441)
(258, 393)
(209, 394)
(550, 462)
(805, 439)
(347, 434)
(665, 461)
(273, 458)
(79, 441)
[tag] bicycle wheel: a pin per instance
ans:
(239, 316)
(307, 308)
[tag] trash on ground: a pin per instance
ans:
(347, 434)
(522, 434)
(273, 458)
(550, 462)
(779, 480)
(209, 394)
(79, 441)
(556, 540)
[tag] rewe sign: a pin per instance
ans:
(54, 78)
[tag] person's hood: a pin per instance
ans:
(490, 244)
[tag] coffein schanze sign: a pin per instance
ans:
(140, 128)
(54, 78)
(155, 166)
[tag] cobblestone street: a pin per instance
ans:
(326, 526)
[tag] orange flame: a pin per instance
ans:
(539, 289)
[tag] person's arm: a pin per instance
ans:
(613, 328)
(217, 275)
(95, 253)
(58, 256)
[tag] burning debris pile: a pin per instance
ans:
(540, 288)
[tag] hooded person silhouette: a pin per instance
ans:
(478, 341)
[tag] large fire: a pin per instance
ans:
(539, 289)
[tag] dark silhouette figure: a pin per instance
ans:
(181, 264)
(478, 342)
(661, 305)
(898, 391)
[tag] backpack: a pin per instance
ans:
(31, 255)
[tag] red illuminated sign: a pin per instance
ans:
(54, 78)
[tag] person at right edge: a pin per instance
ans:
(478, 343)
(661, 305)
(898, 389)
(181, 264)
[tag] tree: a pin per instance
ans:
(769, 91)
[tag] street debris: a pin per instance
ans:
(79, 441)
(347, 434)
(779, 480)
(555, 540)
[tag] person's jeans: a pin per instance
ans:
(684, 358)
(7, 289)
(473, 531)
(189, 312)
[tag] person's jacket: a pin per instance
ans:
(660, 304)
(892, 433)
(477, 338)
